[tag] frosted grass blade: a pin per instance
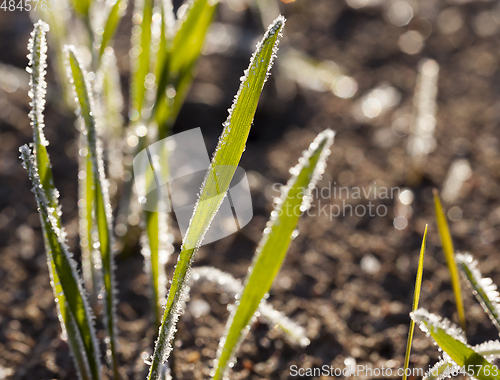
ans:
(483, 288)
(227, 156)
(489, 349)
(416, 297)
(442, 369)
(279, 232)
(449, 253)
(140, 53)
(75, 316)
(231, 286)
(116, 12)
(451, 341)
(175, 69)
(439, 371)
(57, 20)
(37, 56)
(101, 203)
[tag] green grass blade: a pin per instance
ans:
(82, 7)
(57, 20)
(110, 100)
(168, 23)
(141, 54)
(451, 341)
(150, 248)
(441, 370)
(86, 222)
(156, 248)
(272, 249)
(176, 67)
(37, 47)
(416, 298)
(449, 253)
(115, 14)
(79, 330)
(224, 162)
(102, 206)
(75, 314)
(483, 288)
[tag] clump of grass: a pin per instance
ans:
(74, 312)
(213, 191)
(460, 358)
(179, 47)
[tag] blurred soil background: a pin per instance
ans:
(348, 280)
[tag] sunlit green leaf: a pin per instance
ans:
(101, 203)
(416, 297)
(451, 341)
(449, 253)
(225, 160)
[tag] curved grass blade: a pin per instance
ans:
(75, 318)
(108, 110)
(233, 287)
(101, 204)
(176, 67)
(416, 298)
(451, 340)
(279, 232)
(449, 253)
(141, 54)
(441, 370)
(227, 156)
(483, 288)
(75, 314)
(116, 12)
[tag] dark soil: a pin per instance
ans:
(348, 280)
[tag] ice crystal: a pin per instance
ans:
(37, 65)
(441, 370)
(429, 322)
(190, 245)
(483, 288)
(234, 287)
